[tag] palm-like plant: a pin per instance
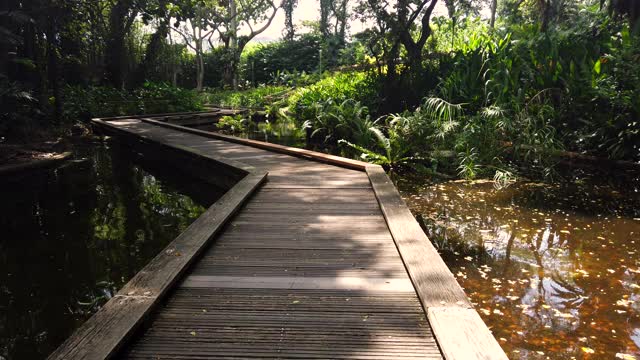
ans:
(394, 150)
(347, 120)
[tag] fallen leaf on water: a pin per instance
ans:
(625, 356)
(624, 302)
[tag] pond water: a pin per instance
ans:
(71, 237)
(554, 270)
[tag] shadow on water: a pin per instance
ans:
(73, 236)
(554, 270)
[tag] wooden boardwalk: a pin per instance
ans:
(319, 259)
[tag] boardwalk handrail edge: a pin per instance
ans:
(459, 329)
(103, 334)
(288, 150)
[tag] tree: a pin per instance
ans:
(254, 15)
(630, 8)
(494, 8)
(334, 16)
(197, 28)
(401, 20)
(289, 29)
(121, 18)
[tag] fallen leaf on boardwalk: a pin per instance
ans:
(193, 333)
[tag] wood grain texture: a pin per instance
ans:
(324, 261)
(103, 334)
(462, 334)
(460, 331)
(308, 154)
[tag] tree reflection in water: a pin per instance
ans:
(72, 237)
(553, 270)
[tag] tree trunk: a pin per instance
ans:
(545, 14)
(52, 72)
(116, 49)
(199, 72)
(233, 44)
(151, 53)
(290, 30)
(494, 8)
(325, 9)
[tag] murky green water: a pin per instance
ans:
(553, 270)
(72, 237)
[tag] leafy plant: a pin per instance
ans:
(233, 124)
(347, 120)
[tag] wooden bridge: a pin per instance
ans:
(306, 256)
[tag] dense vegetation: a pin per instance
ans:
(493, 95)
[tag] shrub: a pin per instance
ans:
(257, 98)
(359, 86)
(86, 102)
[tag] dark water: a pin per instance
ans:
(72, 237)
(554, 270)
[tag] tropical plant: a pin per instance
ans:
(233, 124)
(390, 150)
(347, 120)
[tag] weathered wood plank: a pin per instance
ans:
(433, 281)
(315, 266)
(307, 154)
(461, 335)
(373, 285)
(103, 334)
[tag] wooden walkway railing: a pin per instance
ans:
(319, 258)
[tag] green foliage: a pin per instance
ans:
(390, 149)
(102, 101)
(262, 64)
(345, 120)
(358, 86)
(17, 111)
(233, 124)
(256, 98)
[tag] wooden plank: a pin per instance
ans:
(280, 282)
(434, 283)
(461, 334)
(11, 169)
(307, 154)
(304, 238)
(103, 334)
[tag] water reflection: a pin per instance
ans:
(72, 237)
(553, 270)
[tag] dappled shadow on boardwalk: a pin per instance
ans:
(307, 269)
